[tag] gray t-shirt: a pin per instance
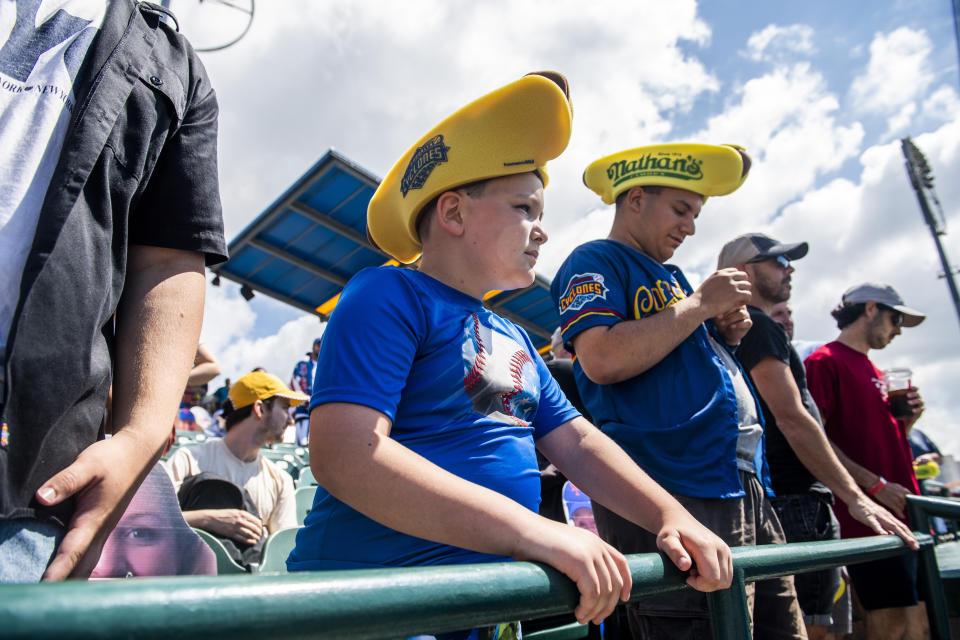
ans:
(748, 421)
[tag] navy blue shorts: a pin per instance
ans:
(891, 582)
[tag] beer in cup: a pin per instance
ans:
(898, 384)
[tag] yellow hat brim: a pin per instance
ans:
(515, 129)
(707, 169)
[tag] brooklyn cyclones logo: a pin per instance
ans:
(581, 289)
(425, 159)
(500, 377)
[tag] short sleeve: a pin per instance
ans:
(554, 409)
(821, 382)
(765, 339)
(588, 291)
(180, 205)
(370, 342)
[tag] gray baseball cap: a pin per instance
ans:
(883, 294)
(754, 247)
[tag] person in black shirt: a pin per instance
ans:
(803, 466)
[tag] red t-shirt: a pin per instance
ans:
(852, 396)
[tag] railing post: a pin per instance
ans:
(928, 576)
(729, 610)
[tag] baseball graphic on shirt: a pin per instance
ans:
(500, 377)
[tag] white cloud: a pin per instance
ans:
(943, 104)
(774, 42)
(900, 121)
(898, 71)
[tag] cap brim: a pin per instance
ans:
(294, 398)
(793, 251)
(911, 317)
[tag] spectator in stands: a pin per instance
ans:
(656, 369)
(205, 368)
(257, 412)
(221, 393)
(110, 208)
(302, 380)
(803, 467)
(783, 314)
(152, 538)
(427, 430)
(872, 443)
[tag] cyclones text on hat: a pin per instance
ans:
(707, 169)
(259, 385)
(886, 295)
(515, 129)
(754, 247)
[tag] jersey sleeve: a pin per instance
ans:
(765, 339)
(370, 342)
(553, 409)
(589, 291)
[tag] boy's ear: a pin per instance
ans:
(450, 217)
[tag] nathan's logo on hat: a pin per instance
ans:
(670, 165)
(581, 289)
(425, 159)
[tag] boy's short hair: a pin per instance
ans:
(473, 189)
(650, 188)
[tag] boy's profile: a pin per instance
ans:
(422, 430)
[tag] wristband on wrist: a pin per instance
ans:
(875, 489)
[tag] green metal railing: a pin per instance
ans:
(401, 602)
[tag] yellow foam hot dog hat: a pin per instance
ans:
(707, 169)
(515, 129)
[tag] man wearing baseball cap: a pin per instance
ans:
(803, 466)
(424, 434)
(871, 441)
(256, 412)
(655, 368)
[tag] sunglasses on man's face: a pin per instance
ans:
(895, 316)
(782, 262)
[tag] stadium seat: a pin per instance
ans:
(304, 497)
(275, 551)
(225, 564)
(306, 478)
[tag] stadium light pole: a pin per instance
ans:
(921, 178)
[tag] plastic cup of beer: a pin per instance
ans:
(898, 384)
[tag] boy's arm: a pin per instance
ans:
(601, 469)
(614, 353)
(354, 458)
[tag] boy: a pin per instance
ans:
(423, 440)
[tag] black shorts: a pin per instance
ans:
(891, 582)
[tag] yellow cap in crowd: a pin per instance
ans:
(259, 385)
(515, 129)
(707, 169)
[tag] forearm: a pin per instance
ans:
(158, 326)
(358, 465)
(602, 470)
(627, 349)
(861, 475)
(812, 448)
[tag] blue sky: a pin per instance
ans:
(819, 93)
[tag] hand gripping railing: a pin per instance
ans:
(395, 603)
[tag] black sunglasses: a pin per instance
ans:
(896, 318)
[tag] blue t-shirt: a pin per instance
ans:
(677, 420)
(464, 388)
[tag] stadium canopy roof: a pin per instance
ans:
(305, 246)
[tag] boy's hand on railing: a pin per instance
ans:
(600, 572)
(690, 545)
(880, 520)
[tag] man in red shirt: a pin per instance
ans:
(872, 443)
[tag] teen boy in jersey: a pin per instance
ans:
(423, 443)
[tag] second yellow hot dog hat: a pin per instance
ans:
(707, 169)
(515, 129)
